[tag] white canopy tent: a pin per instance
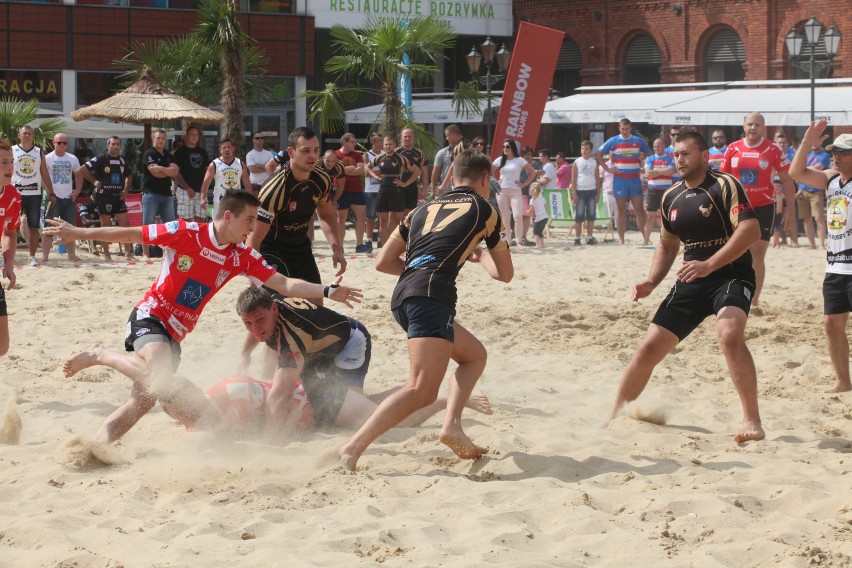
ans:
(612, 107)
(91, 128)
(425, 110)
(790, 106)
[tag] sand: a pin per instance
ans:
(556, 489)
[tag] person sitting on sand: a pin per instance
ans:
(437, 238)
(710, 213)
(837, 286)
(199, 259)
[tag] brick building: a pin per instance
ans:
(618, 42)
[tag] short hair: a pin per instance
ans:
(477, 140)
(253, 298)
(253, 134)
(373, 136)
(389, 137)
(330, 152)
(236, 201)
(5, 145)
(471, 164)
(583, 143)
(527, 150)
(188, 128)
(159, 131)
(562, 154)
(696, 137)
(625, 122)
(301, 132)
(111, 138)
(24, 126)
(347, 136)
(226, 141)
(719, 130)
(544, 151)
(453, 129)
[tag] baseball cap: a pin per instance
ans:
(842, 142)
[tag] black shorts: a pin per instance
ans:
(766, 218)
(151, 329)
(326, 393)
(409, 195)
(688, 304)
(653, 199)
(109, 203)
(3, 312)
(538, 228)
(420, 316)
(836, 294)
(293, 259)
(31, 207)
(391, 201)
(350, 198)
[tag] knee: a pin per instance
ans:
(423, 395)
(834, 327)
(730, 339)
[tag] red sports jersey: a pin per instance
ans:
(10, 209)
(195, 267)
(753, 167)
(243, 402)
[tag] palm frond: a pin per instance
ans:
(467, 100)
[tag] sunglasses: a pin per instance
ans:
(507, 146)
(718, 138)
(60, 143)
(841, 152)
(258, 137)
(481, 144)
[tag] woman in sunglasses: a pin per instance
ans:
(507, 170)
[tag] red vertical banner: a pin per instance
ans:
(527, 85)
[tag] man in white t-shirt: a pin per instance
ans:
(64, 171)
(256, 160)
(547, 178)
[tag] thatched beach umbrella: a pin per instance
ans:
(147, 101)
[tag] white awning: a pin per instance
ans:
(91, 128)
(423, 110)
(612, 107)
(788, 106)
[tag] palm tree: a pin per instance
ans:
(219, 27)
(376, 55)
(15, 113)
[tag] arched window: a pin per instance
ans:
(822, 64)
(725, 57)
(642, 62)
(566, 78)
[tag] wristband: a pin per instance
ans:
(329, 290)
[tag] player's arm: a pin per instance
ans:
(209, 174)
(443, 187)
(247, 181)
(388, 259)
(270, 166)
(87, 174)
(436, 173)
(327, 215)
(69, 233)
(245, 354)
(496, 262)
(9, 243)
(789, 189)
(128, 183)
(45, 176)
(310, 291)
(184, 185)
(254, 167)
(664, 257)
(279, 422)
(798, 167)
(78, 183)
(368, 168)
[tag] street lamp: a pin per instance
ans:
(794, 41)
(475, 60)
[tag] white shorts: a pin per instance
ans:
(188, 208)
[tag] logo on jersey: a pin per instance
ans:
(293, 206)
(291, 355)
(221, 277)
(26, 166)
(232, 179)
(172, 227)
(705, 210)
(263, 214)
(184, 263)
(192, 226)
(179, 328)
(420, 261)
(107, 169)
(192, 294)
(142, 331)
(2, 211)
(748, 177)
(235, 257)
(214, 256)
(195, 160)
(838, 210)
(673, 215)
(763, 164)
(152, 232)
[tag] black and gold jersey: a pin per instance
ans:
(415, 157)
(439, 237)
(704, 217)
(391, 167)
(288, 204)
(335, 173)
(308, 336)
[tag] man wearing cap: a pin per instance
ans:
(837, 285)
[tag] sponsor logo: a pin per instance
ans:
(673, 215)
(214, 256)
(263, 214)
(291, 355)
(763, 164)
(235, 257)
(221, 277)
(705, 210)
(255, 254)
(751, 154)
(152, 232)
(517, 115)
(192, 226)
(2, 211)
(192, 294)
(195, 160)
(420, 261)
(741, 208)
(184, 263)
(178, 327)
(293, 205)
(142, 331)
(172, 227)
(734, 162)
(107, 169)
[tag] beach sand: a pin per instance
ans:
(556, 489)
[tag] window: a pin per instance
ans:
(725, 57)
(642, 63)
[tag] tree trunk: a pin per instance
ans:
(233, 98)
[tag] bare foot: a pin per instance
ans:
(347, 460)
(107, 258)
(840, 387)
(479, 403)
(462, 446)
(83, 360)
(751, 431)
(130, 258)
(74, 258)
(146, 259)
